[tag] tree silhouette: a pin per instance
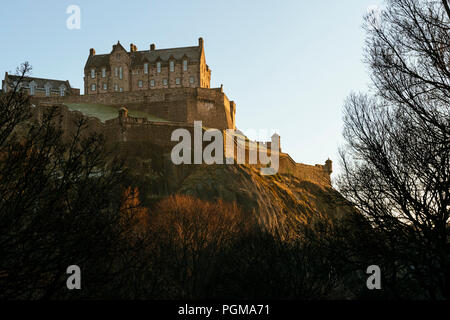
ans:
(60, 204)
(396, 160)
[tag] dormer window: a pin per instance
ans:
(104, 73)
(92, 73)
(185, 65)
(145, 68)
(172, 66)
(158, 67)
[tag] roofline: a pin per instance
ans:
(141, 51)
(46, 79)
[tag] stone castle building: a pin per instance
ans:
(39, 87)
(171, 85)
(122, 71)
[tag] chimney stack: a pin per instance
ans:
(92, 52)
(152, 47)
(133, 48)
(200, 42)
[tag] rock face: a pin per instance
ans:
(277, 202)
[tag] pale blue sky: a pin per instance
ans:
(288, 64)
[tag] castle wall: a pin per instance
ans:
(211, 106)
(131, 132)
(318, 173)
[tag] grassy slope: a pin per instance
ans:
(105, 112)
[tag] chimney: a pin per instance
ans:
(133, 48)
(200, 42)
(152, 47)
(92, 52)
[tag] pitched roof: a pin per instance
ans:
(40, 82)
(98, 60)
(140, 57)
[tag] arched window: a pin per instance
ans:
(185, 65)
(172, 66)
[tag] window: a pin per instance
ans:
(145, 68)
(116, 87)
(184, 65)
(32, 86)
(92, 73)
(103, 73)
(121, 89)
(152, 83)
(62, 91)
(47, 90)
(177, 81)
(140, 83)
(105, 86)
(158, 67)
(120, 73)
(191, 80)
(165, 82)
(116, 71)
(92, 87)
(172, 66)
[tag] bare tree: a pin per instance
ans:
(396, 161)
(60, 204)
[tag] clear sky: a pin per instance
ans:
(288, 64)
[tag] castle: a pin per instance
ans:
(171, 87)
(122, 71)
